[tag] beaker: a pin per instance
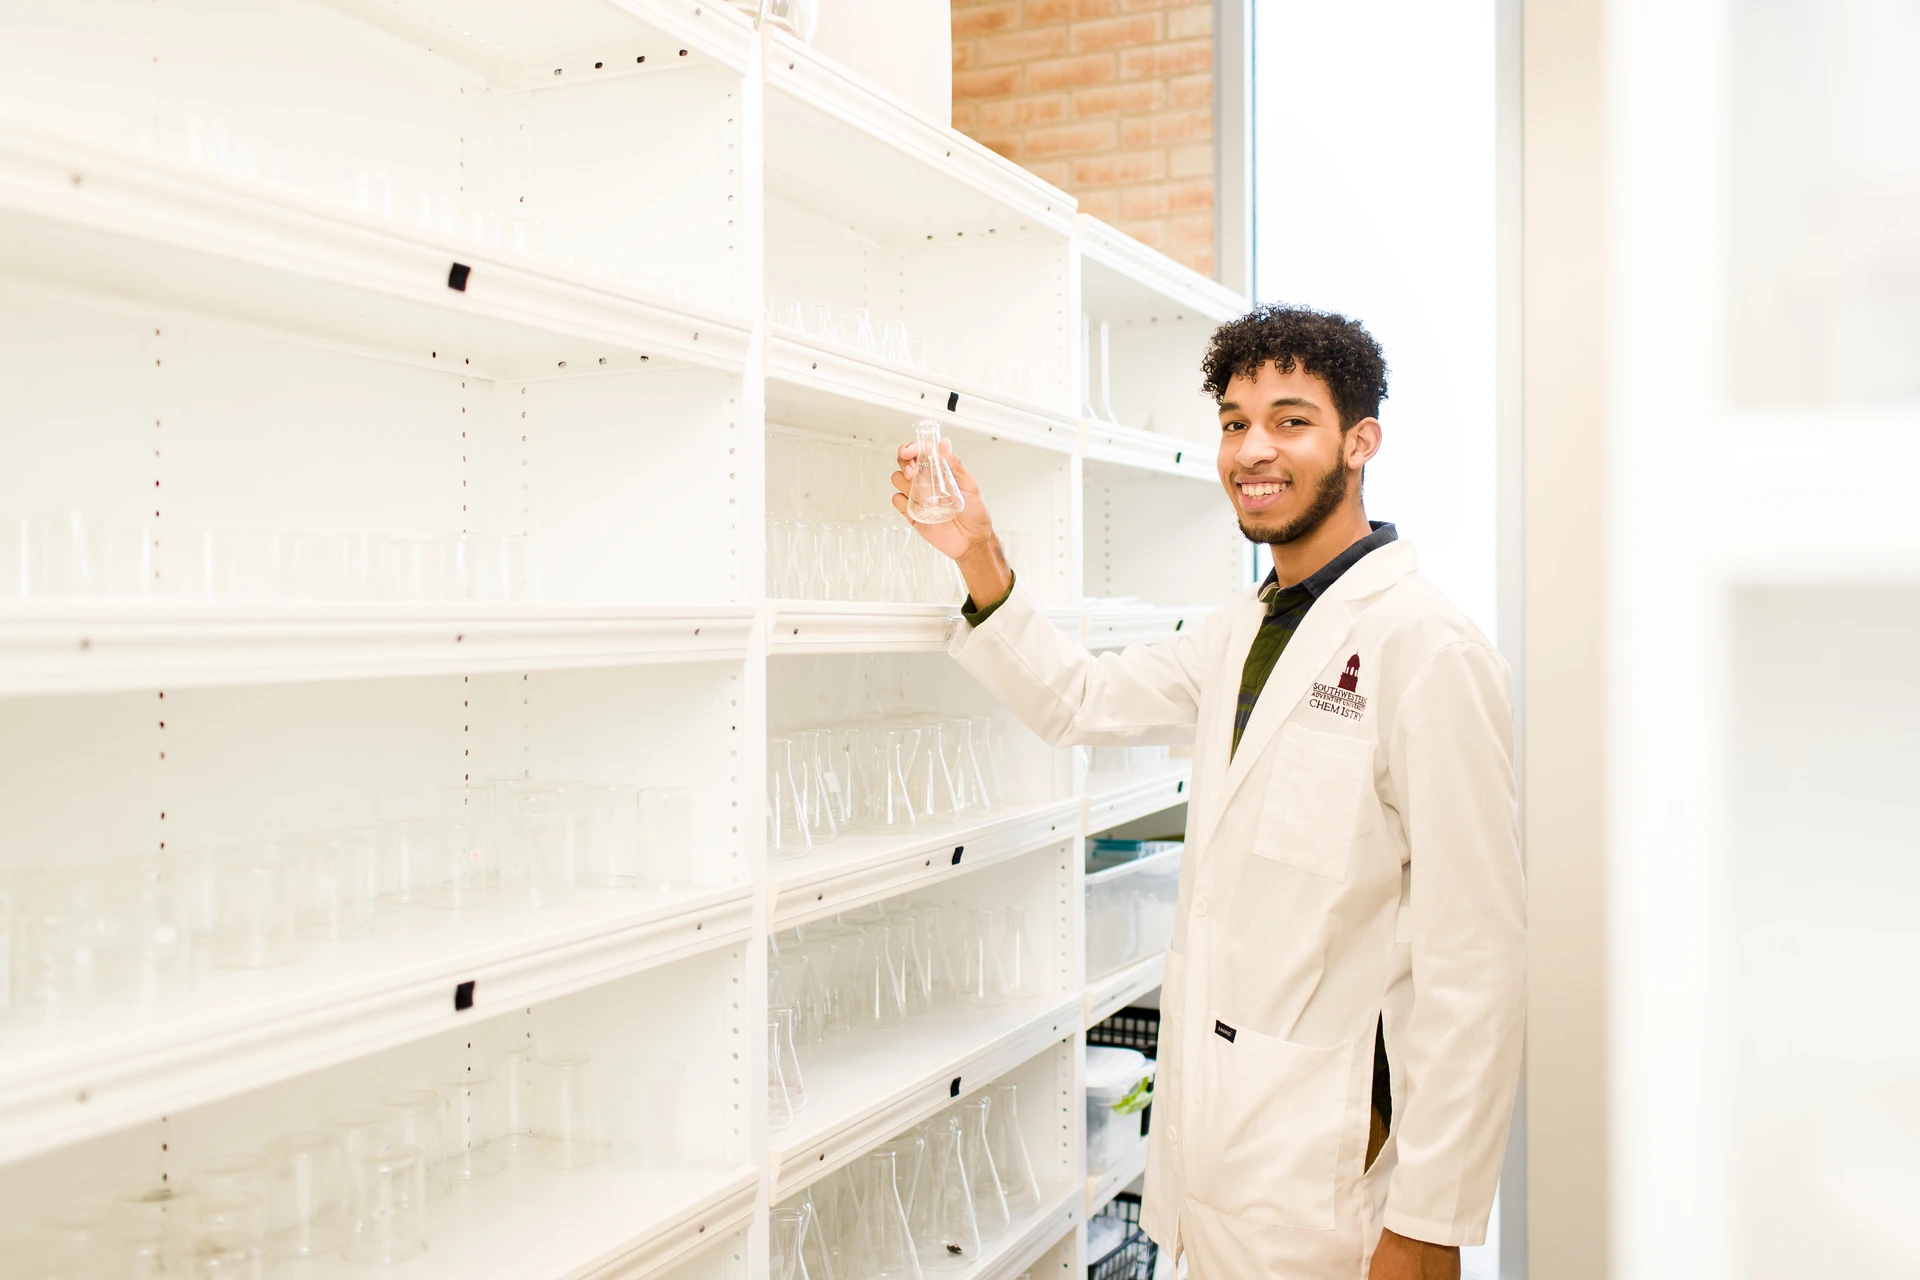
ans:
(386, 1204)
(787, 835)
(666, 837)
(612, 857)
(466, 845)
(929, 783)
(409, 850)
(418, 1120)
(519, 1129)
(537, 833)
(981, 984)
(566, 1111)
(469, 1126)
(337, 872)
(983, 1179)
(889, 1243)
(878, 999)
(945, 1230)
(303, 1194)
(225, 1255)
(1007, 1144)
(1019, 971)
(933, 495)
(256, 906)
(782, 1032)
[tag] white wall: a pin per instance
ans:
(1374, 196)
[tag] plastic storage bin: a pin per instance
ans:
(1114, 1102)
(1117, 1248)
(1130, 911)
(1134, 1027)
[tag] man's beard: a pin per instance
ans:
(1328, 493)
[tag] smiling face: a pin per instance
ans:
(1284, 460)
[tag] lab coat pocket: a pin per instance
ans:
(1271, 1113)
(1313, 800)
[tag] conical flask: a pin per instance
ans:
(878, 994)
(981, 984)
(786, 1243)
(986, 746)
(945, 1232)
(909, 1166)
(787, 835)
(983, 1180)
(782, 1019)
(965, 762)
(779, 1102)
(816, 1255)
(889, 1243)
(813, 753)
(890, 808)
(929, 782)
(930, 932)
(1007, 1144)
(916, 986)
(842, 1228)
(1019, 971)
(933, 495)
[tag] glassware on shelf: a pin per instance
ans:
(337, 873)
(890, 801)
(417, 1118)
(514, 1067)
(787, 832)
(931, 937)
(567, 1119)
(409, 858)
(242, 1213)
(983, 1179)
(912, 962)
(813, 750)
(879, 1002)
(612, 853)
(845, 948)
(225, 1255)
(645, 1114)
(786, 1247)
(981, 983)
(666, 837)
(889, 1243)
(1007, 1144)
(469, 1109)
(781, 1029)
(973, 792)
(233, 1171)
(466, 846)
(945, 1230)
(779, 1100)
(1019, 971)
(894, 343)
(820, 322)
(985, 734)
(855, 329)
(358, 1129)
(536, 840)
(256, 904)
(933, 494)
(303, 1194)
(929, 783)
(386, 1208)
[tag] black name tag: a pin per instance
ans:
(1224, 1031)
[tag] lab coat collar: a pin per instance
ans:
(1320, 634)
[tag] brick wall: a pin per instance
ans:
(1111, 100)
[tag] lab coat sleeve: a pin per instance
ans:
(1145, 694)
(1451, 757)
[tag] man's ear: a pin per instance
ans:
(1362, 442)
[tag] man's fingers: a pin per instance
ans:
(901, 482)
(899, 499)
(960, 471)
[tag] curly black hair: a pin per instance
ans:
(1322, 343)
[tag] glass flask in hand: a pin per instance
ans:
(933, 495)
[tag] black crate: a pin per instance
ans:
(1134, 1256)
(1131, 1028)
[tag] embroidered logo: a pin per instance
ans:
(1345, 701)
(1224, 1031)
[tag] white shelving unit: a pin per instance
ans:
(447, 267)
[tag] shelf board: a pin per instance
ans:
(74, 646)
(1129, 450)
(1124, 280)
(869, 1085)
(518, 47)
(825, 386)
(1103, 1186)
(120, 222)
(1117, 626)
(1109, 995)
(841, 145)
(241, 1029)
(1114, 798)
(861, 867)
(1027, 1238)
(595, 1223)
(852, 626)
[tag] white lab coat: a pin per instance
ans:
(1356, 860)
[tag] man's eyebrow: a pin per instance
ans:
(1293, 402)
(1228, 406)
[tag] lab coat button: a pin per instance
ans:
(1200, 906)
(1173, 1135)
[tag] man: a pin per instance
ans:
(1341, 1015)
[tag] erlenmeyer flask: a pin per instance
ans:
(909, 1164)
(891, 808)
(787, 835)
(929, 783)
(1007, 1144)
(786, 1243)
(985, 731)
(843, 949)
(839, 1206)
(916, 982)
(945, 1232)
(983, 1180)
(814, 747)
(981, 984)
(970, 786)
(878, 994)
(931, 936)
(1019, 971)
(782, 1020)
(816, 1254)
(843, 747)
(804, 984)
(933, 495)
(888, 1241)
(779, 1102)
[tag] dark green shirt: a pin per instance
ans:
(1286, 607)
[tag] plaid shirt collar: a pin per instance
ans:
(1316, 583)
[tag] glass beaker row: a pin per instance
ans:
(877, 559)
(71, 553)
(854, 328)
(930, 1200)
(142, 931)
(884, 776)
(357, 1182)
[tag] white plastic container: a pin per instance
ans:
(1112, 1074)
(1130, 911)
